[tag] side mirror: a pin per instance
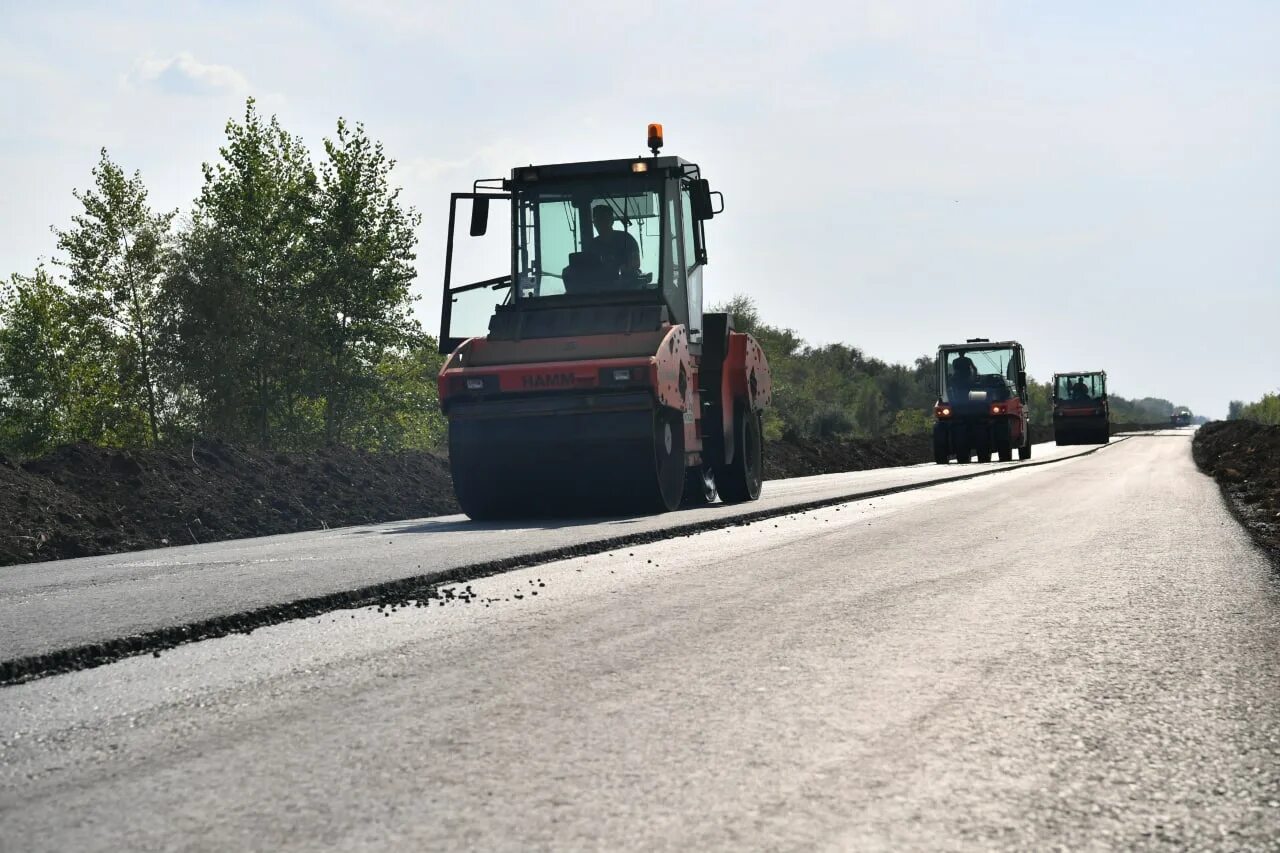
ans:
(479, 216)
(700, 199)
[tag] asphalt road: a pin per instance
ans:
(55, 605)
(1080, 656)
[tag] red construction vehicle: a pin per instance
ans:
(587, 380)
(982, 402)
(1081, 413)
(1180, 418)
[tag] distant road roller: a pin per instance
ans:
(982, 402)
(587, 380)
(1081, 413)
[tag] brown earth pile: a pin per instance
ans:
(1244, 457)
(82, 500)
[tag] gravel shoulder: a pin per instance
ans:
(1244, 458)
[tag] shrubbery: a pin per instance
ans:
(1264, 411)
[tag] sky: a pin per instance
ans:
(1098, 180)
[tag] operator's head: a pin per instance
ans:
(602, 216)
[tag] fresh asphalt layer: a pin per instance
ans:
(1073, 656)
(69, 614)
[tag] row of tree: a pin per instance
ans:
(1264, 411)
(276, 314)
(837, 390)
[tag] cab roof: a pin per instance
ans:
(981, 345)
(597, 168)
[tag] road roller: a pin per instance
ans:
(1081, 413)
(982, 402)
(587, 380)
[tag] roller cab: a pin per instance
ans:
(586, 379)
(982, 402)
(1081, 413)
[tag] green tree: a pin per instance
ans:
(1264, 411)
(115, 256)
(56, 378)
(240, 286)
(358, 300)
(401, 411)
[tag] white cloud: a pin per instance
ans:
(183, 74)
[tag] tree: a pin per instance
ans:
(115, 261)
(56, 379)
(239, 288)
(363, 252)
(1235, 410)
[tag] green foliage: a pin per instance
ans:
(239, 291)
(115, 256)
(359, 295)
(56, 379)
(277, 315)
(835, 390)
(1264, 411)
(1147, 410)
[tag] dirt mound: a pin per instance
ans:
(791, 457)
(1244, 457)
(82, 500)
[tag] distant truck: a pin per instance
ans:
(1180, 418)
(982, 402)
(1081, 413)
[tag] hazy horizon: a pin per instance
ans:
(1098, 183)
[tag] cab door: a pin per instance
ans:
(477, 244)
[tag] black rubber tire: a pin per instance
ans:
(699, 486)
(1003, 443)
(1024, 452)
(941, 445)
(741, 479)
(668, 459)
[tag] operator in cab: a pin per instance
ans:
(618, 251)
(963, 370)
(1079, 391)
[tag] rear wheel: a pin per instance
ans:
(1004, 444)
(1024, 452)
(740, 480)
(941, 445)
(983, 448)
(668, 462)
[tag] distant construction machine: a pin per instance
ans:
(587, 380)
(1081, 413)
(1180, 418)
(982, 402)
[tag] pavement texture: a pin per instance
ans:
(54, 605)
(1075, 656)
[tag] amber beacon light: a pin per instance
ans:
(655, 138)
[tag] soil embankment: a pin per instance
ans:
(83, 500)
(1244, 457)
